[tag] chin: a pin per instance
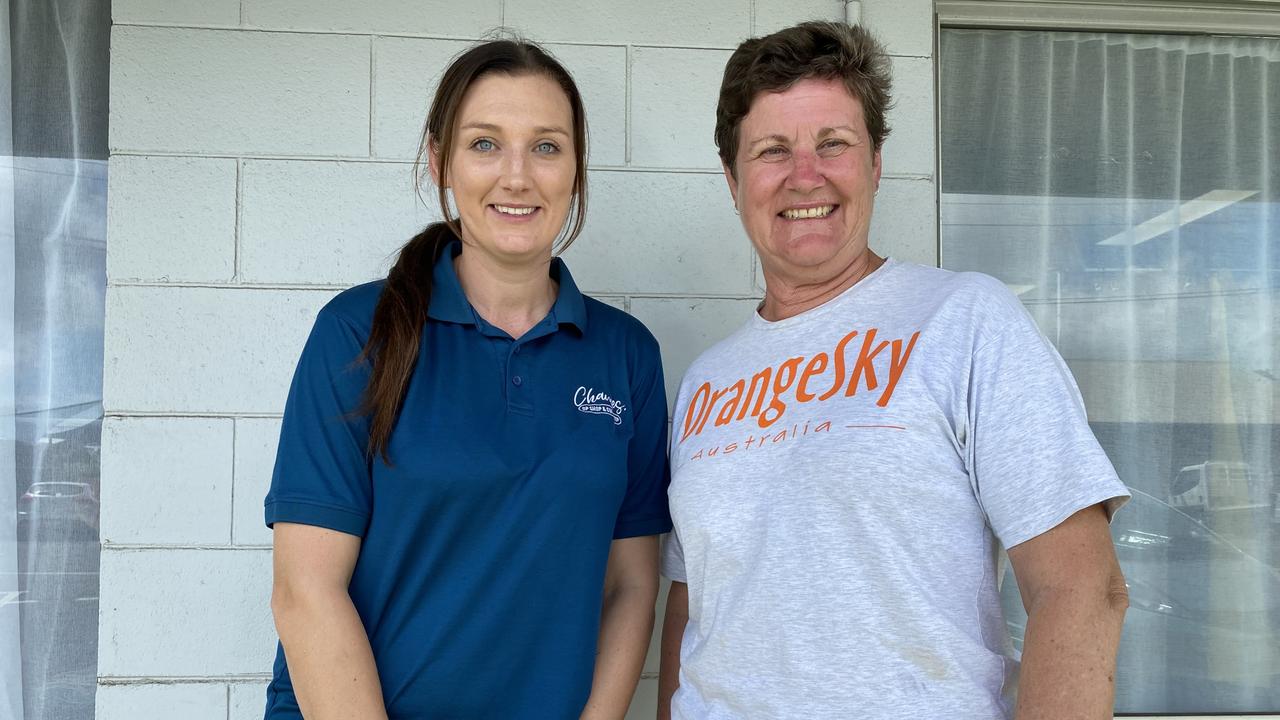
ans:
(524, 246)
(810, 249)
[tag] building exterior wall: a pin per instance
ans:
(261, 158)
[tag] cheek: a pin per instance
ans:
(557, 184)
(762, 183)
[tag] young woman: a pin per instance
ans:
(472, 471)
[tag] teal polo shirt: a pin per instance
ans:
(515, 464)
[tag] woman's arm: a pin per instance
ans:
(626, 622)
(325, 643)
(1075, 599)
(672, 636)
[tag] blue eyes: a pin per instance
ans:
(485, 145)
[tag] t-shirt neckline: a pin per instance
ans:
(757, 321)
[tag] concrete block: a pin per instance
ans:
(185, 613)
(166, 480)
(721, 23)
(176, 12)
(407, 72)
(906, 27)
(232, 92)
(327, 222)
(618, 302)
(247, 701)
(904, 224)
(644, 704)
(601, 76)
(256, 441)
(686, 327)
(673, 107)
(660, 233)
(204, 350)
(171, 219)
(774, 15)
(189, 701)
(417, 17)
(909, 150)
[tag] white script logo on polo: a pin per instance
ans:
(587, 400)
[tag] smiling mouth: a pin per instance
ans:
(514, 211)
(810, 213)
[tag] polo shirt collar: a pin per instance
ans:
(449, 303)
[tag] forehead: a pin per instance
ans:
(516, 101)
(810, 103)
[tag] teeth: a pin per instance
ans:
(514, 210)
(808, 213)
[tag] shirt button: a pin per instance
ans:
(516, 380)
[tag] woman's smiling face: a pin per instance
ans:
(512, 165)
(805, 180)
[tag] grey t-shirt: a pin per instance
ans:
(842, 483)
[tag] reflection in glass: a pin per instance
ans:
(1126, 188)
(53, 181)
(52, 432)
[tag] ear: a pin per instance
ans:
(433, 161)
(877, 164)
(733, 183)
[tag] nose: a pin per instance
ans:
(515, 172)
(805, 173)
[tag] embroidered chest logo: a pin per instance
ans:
(589, 401)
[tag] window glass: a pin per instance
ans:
(1125, 187)
(53, 193)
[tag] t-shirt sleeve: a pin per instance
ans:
(673, 558)
(644, 509)
(1033, 459)
(322, 474)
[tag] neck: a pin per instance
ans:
(787, 297)
(513, 297)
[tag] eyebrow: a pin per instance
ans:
(822, 133)
(768, 138)
(490, 127)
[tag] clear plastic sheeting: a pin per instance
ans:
(53, 193)
(1127, 188)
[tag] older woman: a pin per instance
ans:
(848, 463)
(471, 471)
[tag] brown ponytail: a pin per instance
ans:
(393, 343)
(398, 319)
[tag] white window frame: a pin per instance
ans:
(1220, 17)
(1199, 17)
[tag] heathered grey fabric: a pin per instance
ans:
(841, 549)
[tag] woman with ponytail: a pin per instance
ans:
(472, 470)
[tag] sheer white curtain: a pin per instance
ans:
(52, 288)
(1126, 187)
(10, 634)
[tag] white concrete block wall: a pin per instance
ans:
(206, 701)
(261, 162)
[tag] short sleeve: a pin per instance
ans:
(322, 474)
(1033, 459)
(673, 558)
(644, 509)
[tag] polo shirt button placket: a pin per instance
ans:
(512, 366)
